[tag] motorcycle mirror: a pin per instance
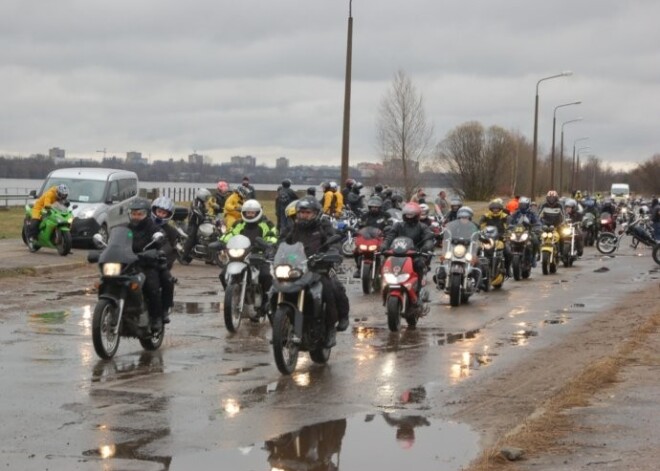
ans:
(98, 241)
(158, 236)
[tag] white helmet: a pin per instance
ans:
(251, 206)
(424, 209)
(203, 195)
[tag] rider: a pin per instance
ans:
(575, 216)
(454, 205)
(424, 217)
(551, 212)
(216, 204)
(162, 209)
(333, 201)
(355, 199)
(158, 296)
(525, 211)
(313, 232)
(421, 235)
(55, 194)
(462, 225)
(374, 217)
(255, 224)
(195, 219)
(285, 195)
(233, 205)
(495, 216)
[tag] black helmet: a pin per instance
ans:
(378, 188)
(286, 183)
(311, 191)
(138, 210)
(307, 203)
(375, 202)
(140, 203)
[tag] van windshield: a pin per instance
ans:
(80, 191)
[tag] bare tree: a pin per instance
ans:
(478, 159)
(404, 136)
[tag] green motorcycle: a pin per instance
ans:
(54, 228)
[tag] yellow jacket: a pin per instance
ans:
(233, 209)
(333, 200)
(47, 199)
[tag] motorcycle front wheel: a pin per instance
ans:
(104, 339)
(366, 279)
(285, 350)
(545, 263)
(656, 253)
(393, 313)
(516, 267)
(606, 243)
(231, 313)
(347, 248)
(63, 242)
(155, 341)
(455, 289)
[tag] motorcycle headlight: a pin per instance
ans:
(372, 248)
(566, 231)
(545, 235)
(604, 221)
(70, 220)
(468, 257)
(487, 246)
(236, 253)
(111, 269)
(524, 237)
(285, 272)
(513, 237)
(392, 279)
(363, 247)
(459, 251)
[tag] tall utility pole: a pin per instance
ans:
(347, 98)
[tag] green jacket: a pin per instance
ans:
(262, 228)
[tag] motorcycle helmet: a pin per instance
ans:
(138, 210)
(357, 187)
(243, 191)
(424, 210)
(222, 186)
(311, 191)
(552, 197)
(286, 183)
(251, 211)
(203, 195)
(397, 198)
(570, 203)
(523, 204)
(332, 186)
(387, 193)
(62, 192)
(411, 213)
(164, 203)
(374, 204)
(491, 232)
(643, 210)
(496, 205)
(455, 204)
(465, 212)
(349, 182)
(290, 210)
(378, 188)
(589, 203)
(308, 210)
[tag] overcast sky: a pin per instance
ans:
(266, 77)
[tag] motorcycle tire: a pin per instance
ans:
(320, 355)
(606, 243)
(566, 257)
(155, 341)
(24, 235)
(516, 267)
(285, 350)
(347, 248)
(545, 263)
(105, 341)
(656, 253)
(455, 289)
(553, 266)
(366, 280)
(231, 313)
(64, 242)
(393, 313)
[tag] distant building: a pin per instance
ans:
(56, 153)
(370, 169)
(282, 163)
(196, 159)
(248, 161)
(133, 157)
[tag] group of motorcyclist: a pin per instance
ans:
(301, 220)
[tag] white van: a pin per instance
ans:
(620, 192)
(99, 198)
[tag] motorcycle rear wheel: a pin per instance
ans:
(455, 289)
(606, 243)
(64, 242)
(104, 339)
(155, 341)
(285, 350)
(231, 313)
(393, 313)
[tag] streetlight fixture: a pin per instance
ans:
(552, 158)
(561, 154)
(347, 96)
(566, 73)
(577, 169)
(573, 166)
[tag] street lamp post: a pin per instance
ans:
(577, 168)
(347, 96)
(552, 158)
(536, 127)
(561, 154)
(573, 165)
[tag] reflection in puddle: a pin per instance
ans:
(52, 317)
(129, 450)
(402, 441)
(126, 368)
(195, 308)
(449, 338)
(469, 362)
(522, 336)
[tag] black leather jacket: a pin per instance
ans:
(313, 236)
(417, 232)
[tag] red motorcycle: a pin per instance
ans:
(607, 223)
(404, 294)
(367, 245)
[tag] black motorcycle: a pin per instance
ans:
(297, 303)
(121, 310)
(205, 247)
(522, 251)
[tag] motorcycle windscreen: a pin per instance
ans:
(462, 229)
(370, 233)
(290, 254)
(120, 247)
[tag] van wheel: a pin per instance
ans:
(104, 232)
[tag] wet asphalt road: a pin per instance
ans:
(212, 400)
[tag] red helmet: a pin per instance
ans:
(411, 212)
(223, 187)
